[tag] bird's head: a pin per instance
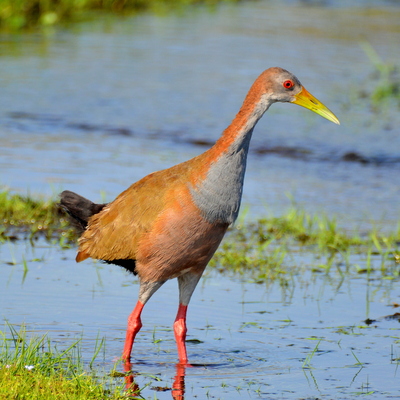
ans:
(282, 86)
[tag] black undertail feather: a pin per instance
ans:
(128, 264)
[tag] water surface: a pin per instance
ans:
(245, 339)
(96, 106)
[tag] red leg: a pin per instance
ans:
(180, 333)
(134, 325)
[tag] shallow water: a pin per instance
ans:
(245, 339)
(96, 106)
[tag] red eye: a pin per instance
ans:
(288, 84)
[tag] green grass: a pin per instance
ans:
(24, 217)
(264, 251)
(34, 369)
(23, 14)
(307, 361)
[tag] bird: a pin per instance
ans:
(170, 223)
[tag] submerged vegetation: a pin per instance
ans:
(20, 14)
(263, 250)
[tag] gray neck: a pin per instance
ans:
(219, 195)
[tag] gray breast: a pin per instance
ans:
(219, 195)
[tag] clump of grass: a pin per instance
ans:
(21, 14)
(306, 229)
(34, 369)
(25, 217)
(264, 250)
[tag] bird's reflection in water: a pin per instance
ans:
(178, 387)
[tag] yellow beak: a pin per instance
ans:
(307, 100)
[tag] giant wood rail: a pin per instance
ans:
(169, 224)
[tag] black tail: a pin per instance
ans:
(79, 209)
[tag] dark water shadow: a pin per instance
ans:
(24, 121)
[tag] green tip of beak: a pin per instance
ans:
(307, 100)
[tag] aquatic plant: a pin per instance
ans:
(307, 361)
